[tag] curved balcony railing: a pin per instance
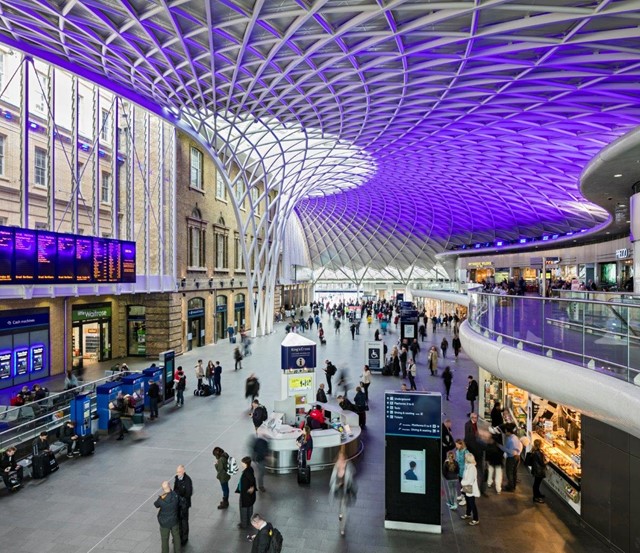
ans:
(600, 335)
(439, 285)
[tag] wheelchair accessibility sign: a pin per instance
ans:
(374, 355)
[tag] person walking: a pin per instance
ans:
(433, 360)
(247, 490)
(237, 356)
(470, 489)
(495, 460)
(411, 373)
(538, 469)
(260, 452)
(342, 487)
(251, 389)
(512, 448)
(181, 384)
(167, 505)
(447, 378)
(472, 393)
(450, 471)
(457, 345)
(366, 382)
(217, 379)
(153, 393)
(403, 361)
(447, 440)
(444, 346)
(183, 487)
(415, 349)
(222, 460)
(258, 414)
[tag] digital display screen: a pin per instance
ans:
(66, 258)
(412, 471)
(47, 256)
(37, 358)
(43, 257)
(6, 255)
(25, 253)
(412, 414)
(5, 364)
(22, 361)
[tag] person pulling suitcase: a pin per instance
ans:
(305, 445)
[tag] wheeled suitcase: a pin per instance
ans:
(233, 339)
(86, 445)
(206, 390)
(43, 465)
(304, 476)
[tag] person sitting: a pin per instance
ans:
(25, 394)
(315, 418)
(11, 470)
(41, 444)
(69, 437)
(39, 392)
(70, 380)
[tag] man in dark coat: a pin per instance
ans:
(183, 486)
(261, 540)
(154, 395)
(448, 443)
(167, 504)
(217, 376)
(472, 393)
(320, 395)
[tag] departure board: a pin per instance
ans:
(6, 255)
(47, 256)
(66, 258)
(25, 252)
(41, 257)
(84, 259)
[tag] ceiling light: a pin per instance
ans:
(618, 175)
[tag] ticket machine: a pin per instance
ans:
(168, 361)
(133, 385)
(105, 394)
(155, 374)
(80, 413)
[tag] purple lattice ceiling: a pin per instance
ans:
(479, 116)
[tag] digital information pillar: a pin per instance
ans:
(413, 461)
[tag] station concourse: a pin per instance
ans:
(105, 502)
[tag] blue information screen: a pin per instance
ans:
(412, 414)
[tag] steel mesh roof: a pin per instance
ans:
(477, 116)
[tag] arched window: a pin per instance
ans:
(221, 235)
(197, 234)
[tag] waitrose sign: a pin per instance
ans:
(89, 313)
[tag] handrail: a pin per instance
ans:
(603, 336)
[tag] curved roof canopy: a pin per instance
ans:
(477, 116)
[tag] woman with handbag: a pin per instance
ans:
(342, 486)
(470, 489)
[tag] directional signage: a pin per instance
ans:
(412, 414)
(374, 355)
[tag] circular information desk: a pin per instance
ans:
(283, 446)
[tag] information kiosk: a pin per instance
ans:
(298, 383)
(105, 394)
(413, 461)
(80, 414)
(168, 361)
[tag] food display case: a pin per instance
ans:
(491, 391)
(516, 406)
(559, 429)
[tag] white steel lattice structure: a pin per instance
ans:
(395, 129)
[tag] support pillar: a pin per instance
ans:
(634, 215)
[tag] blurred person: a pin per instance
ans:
(366, 382)
(260, 450)
(237, 356)
(447, 378)
(167, 505)
(470, 489)
(252, 389)
(342, 487)
(258, 414)
(154, 397)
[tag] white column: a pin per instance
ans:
(634, 211)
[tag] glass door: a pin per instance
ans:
(105, 341)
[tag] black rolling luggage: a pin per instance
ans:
(304, 476)
(43, 465)
(86, 445)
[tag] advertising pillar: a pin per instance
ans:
(168, 362)
(413, 461)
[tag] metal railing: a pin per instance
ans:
(601, 335)
(440, 285)
(23, 423)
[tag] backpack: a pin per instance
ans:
(275, 545)
(232, 466)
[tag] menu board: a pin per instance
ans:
(47, 256)
(25, 255)
(43, 257)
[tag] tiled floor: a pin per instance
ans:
(105, 502)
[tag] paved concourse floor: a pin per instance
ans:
(105, 502)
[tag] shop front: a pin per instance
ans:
(530, 277)
(624, 257)
(136, 331)
(239, 312)
(221, 317)
(557, 426)
(608, 275)
(195, 323)
(480, 271)
(91, 332)
(24, 346)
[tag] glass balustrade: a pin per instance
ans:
(599, 331)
